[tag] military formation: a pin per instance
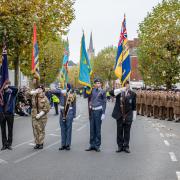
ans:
(159, 104)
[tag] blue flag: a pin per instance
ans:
(4, 74)
(85, 67)
(123, 64)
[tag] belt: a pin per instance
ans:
(62, 108)
(97, 108)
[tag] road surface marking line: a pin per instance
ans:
(31, 144)
(3, 161)
(56, 135)
(173, 157)
(35, 153)
(166, 143)
(162, 135)
(178, 175)
(82, 127)
(18, 145)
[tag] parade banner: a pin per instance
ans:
(64, 70)
(35, 56)
(85, 67)
(123, 65)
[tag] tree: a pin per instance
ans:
(52, 18)
(103, 64)
(159, 48)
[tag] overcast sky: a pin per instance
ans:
(103, 18)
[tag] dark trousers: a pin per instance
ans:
(56, 108)
(95, 128)
(66, 131)
(123, 133)
(7, 118)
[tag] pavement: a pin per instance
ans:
(155, 151)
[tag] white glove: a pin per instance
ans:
(103, 117)
(120, 90)
(34, 92)
(134, 115)
(38, 116)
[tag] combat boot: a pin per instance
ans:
(41, 146)
(36, 146)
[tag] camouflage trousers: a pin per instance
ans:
(39, 129)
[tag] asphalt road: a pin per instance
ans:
(155, 151)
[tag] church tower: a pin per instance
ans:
(91, 51)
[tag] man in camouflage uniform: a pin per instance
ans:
(138, 102)
(155, 102)
(162, 102)
(40, 108)
(177, 106)
(148, 103)
(143, 101)
(170, 105)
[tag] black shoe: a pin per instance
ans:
(90, 149)
(9, 147)
(97, 149)
(40, 146)
(120, 149)
(68, 148)
(62, 148)
(3, 148)
(126, 150)
(36, 146)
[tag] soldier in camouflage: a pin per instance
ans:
(40, 108)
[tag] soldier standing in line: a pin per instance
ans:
(177, 106)
(170, 104)
(143, 108)
(138, 101)
(148, 103)
(40, 108)
(155, 104)
(160, 104)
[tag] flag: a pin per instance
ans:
(64, 70)
(4, 74)
(85, 67)
(123, 66)
(35, 55)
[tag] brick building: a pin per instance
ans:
(135, 74)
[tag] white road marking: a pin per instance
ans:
(162, 135)
(26, 142)
(178, 175)
(3, 161)
(82, 127)
(34, 153)
(31, 144)
(166, 143)
(56, 135)
(173, 157)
